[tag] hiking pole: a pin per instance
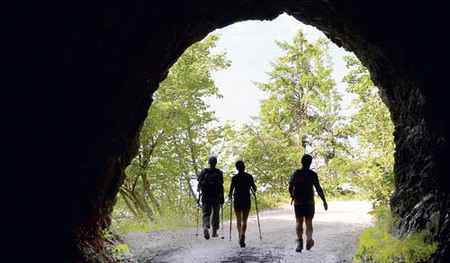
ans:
(198, 208)
(196, 234)
(223, 231)
(257, 214)
(231, 215)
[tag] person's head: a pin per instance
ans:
(240, 166)
(306, 160)
(212, 161)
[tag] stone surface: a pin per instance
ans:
(80, 75)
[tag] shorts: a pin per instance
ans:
(241, 203)
(306, 211)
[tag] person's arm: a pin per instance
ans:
(220, 177)
(320, 191)
(252, 184)
(231, 188)
(291, 185)
(222, 190)
(200, 179)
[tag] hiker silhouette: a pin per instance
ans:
(301, 190)
(210, 184)
(241, 184)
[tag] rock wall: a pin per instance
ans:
(81, 76)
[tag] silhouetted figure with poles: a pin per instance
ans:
(241, 184)
(302, 194)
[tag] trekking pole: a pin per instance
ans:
(223, 231)
(231, 215)
(198, 209)
(196, 234)
(257, 214)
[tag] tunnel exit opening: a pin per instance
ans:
(161, 181)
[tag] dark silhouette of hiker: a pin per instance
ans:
(302, 193)
(210, 183)
(241, 184)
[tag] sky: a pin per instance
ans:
(251, 46)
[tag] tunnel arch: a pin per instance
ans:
(115, 55)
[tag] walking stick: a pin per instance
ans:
(257, 214)
(223, 231)
(231, 215)
(198, 208)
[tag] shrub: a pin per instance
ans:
(378, 244)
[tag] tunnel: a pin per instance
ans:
(78, 81)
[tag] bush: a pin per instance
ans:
(121, 250)
(123, 226)
(378, 244)
(269, 200)
(168, 220)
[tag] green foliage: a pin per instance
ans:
(346, 195)
(372, 126)
(124, 226)
(379, 244)
(112, 250)
(271, 200)
(301, 115)
(177, 136)
(121, 250)
(105, 234)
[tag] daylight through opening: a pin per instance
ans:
(265, 93)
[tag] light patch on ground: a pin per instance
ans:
(335, 234)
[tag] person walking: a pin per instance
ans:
(301, 191)
(241, 183)
(210, 184)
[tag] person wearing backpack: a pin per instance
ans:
(241, 183)
(210, 184)
(302, 194)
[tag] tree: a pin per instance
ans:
(372, 126)
(301, 114)
(175, 137)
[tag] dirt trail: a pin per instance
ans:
(335, 235)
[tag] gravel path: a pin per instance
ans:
(335, 235)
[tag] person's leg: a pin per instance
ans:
(299, 216)
(238, 214)
(245, 213)
(299, 226)
(299, 229)
(309, 228)
(215, 217)
(244, 226)
(206, 207)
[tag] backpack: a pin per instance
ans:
(303, 183)
(211, 186)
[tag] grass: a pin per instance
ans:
(378, 244)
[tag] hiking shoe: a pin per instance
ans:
(206, 233)
(214, 233)
(242, 241)
(309, 244)
(299, 245)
